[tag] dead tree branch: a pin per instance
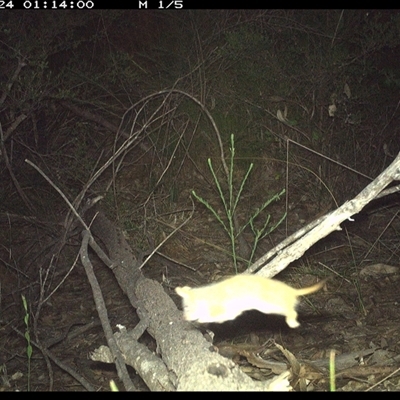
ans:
(297, 244)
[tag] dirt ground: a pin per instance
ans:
(354, 319)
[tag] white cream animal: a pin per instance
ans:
(225, 300)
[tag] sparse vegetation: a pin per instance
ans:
(129, 105)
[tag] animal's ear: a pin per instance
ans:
(183, 291)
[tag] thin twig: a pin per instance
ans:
(13, 178)
(169, 236)
(59, 192)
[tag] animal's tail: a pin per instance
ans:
(311, 289)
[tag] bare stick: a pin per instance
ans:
(322, 227)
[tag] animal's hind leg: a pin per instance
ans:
(291, 319)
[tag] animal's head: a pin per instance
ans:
(196, 307)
